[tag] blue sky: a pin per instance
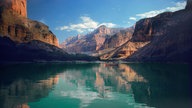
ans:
(71, 17)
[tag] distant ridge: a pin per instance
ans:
(96, 40)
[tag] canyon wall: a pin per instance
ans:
(165, 37)
(18, 6)
(15, 24)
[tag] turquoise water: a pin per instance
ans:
(95, 85)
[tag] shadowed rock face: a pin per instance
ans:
(15, 24)
(189, 5)
(31, 51)
(169, 35)
(165, 37)
(146, 28)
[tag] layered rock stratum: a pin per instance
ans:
(19, 6)
(165, 37)
(102, 38)
(15, 24)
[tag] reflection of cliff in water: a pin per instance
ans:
(133, 84)
(169, 85)
(102, 81)
(25, 83)
(119, 77)
(24, 91)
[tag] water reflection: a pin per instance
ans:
(24, 91)
(94, 85)
(99, 83)
(25, 83)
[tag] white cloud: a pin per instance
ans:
(87, 24)
(178, 6)
(132, 18)
(110, 25)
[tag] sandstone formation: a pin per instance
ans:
(165, 37)
(118, 39)
(15, 24)
(146, 28)
(18, 6)
(89, 43)
(115, 43)
(124, 51)
(172, 42)
(144, 32)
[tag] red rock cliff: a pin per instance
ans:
(18, 6)
(163, 38)
(90, 42)
(15, 24)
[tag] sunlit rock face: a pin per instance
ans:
(124, 51)
(15, 24)
(165, 37)
(93, 41)
(18, 6)
(118, 39)
(144, 32)
(100, 35)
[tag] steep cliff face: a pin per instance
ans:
(114, 43)
(146, 28)
(90, 42)
(174, 43)
(18, 6)
(118, 39)
(100, 35)
(189, 5)
(165, 37)
(69, 41)
(15, 25)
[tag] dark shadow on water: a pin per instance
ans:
(169, 85)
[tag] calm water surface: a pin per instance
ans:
(95, 85)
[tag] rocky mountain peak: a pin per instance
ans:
(103, 30)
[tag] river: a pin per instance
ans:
(95, 85)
